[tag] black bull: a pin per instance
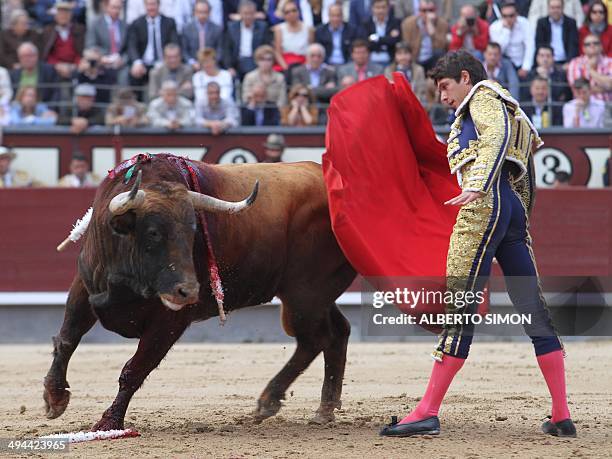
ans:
(133, 258)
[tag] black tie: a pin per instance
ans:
(155, 55)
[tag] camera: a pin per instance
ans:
(92, 62)
(470, 21)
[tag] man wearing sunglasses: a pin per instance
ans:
(594, 67)
(516, 38)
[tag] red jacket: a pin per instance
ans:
(480, 41)
(605, 37)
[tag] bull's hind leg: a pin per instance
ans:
(335, 362)
(78, 320)
(315, 329)
(163, 331)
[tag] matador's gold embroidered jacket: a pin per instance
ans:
(491, 128)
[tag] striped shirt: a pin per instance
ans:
(579, 68)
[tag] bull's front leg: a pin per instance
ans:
(78, 320)
(153, 346)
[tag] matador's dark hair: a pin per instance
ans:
(451, 65)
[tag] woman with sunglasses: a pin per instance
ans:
(301, 110)
(596, 22)
(291, 38)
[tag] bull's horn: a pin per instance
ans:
(205, 202)
(127, 200)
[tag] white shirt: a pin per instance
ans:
(200, 81)
(556, 39)
(517, 44)
(179, 10)
(246, 40)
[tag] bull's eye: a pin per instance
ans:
(153, 235)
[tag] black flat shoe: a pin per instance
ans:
(565, 428)
(429, 426)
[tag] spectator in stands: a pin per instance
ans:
(209, 72)
(257, 112)
(546, 68)
(596, 22)
(540, 109)
(172, 68)
(31, 72)
(361, 67)
(84, 113)
(147, 37)
(301, 110)
(515, 36)
(126, 111)
(312, 12)
(593, 66)
(559, 32)
(11, 38)
(80, 176)
(170, 110)
(291, 38)
(26, 110)
(11, 178)
(93, 72)
(108, 33)
(319, 77)
(63, 41)
(242, 39)
(217, 114)
(231, 10)
(6, 88)
(470, 32)
(359, 12)
(562, 180)
(413, 72)
(382, 32)
(180, 11)
(276, 88)
(583, 111)
(201, 33)
(426, 33)
(273, 148)
(500, 69)
(336, 37)
(571, 8)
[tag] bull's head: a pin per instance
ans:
(159, 228)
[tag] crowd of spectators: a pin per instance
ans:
(220, 64)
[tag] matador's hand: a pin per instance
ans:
(464, 198)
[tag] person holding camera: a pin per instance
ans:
(470, 32)
(92, 71)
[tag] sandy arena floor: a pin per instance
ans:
(194, 405)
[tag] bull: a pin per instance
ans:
(143, 272)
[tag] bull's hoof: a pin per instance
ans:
(265, 409)
(56, 401)
(107, 424)
(322, 417)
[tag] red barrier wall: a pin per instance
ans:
(571, 229)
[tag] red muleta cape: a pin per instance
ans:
(387, 179)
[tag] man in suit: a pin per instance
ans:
(361, 67)
(541, 109)
(257, 112)
(63, 42)
(242, 39)
(382, 32)
(108, 33)
(501, 70)
(336, 37)
(427, 34)
(319, 77)
(559, 32)
(556, 77)
(201, 33)
(171, 69)
(32, 72)
(147, 37)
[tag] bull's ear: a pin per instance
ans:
(123, 224)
